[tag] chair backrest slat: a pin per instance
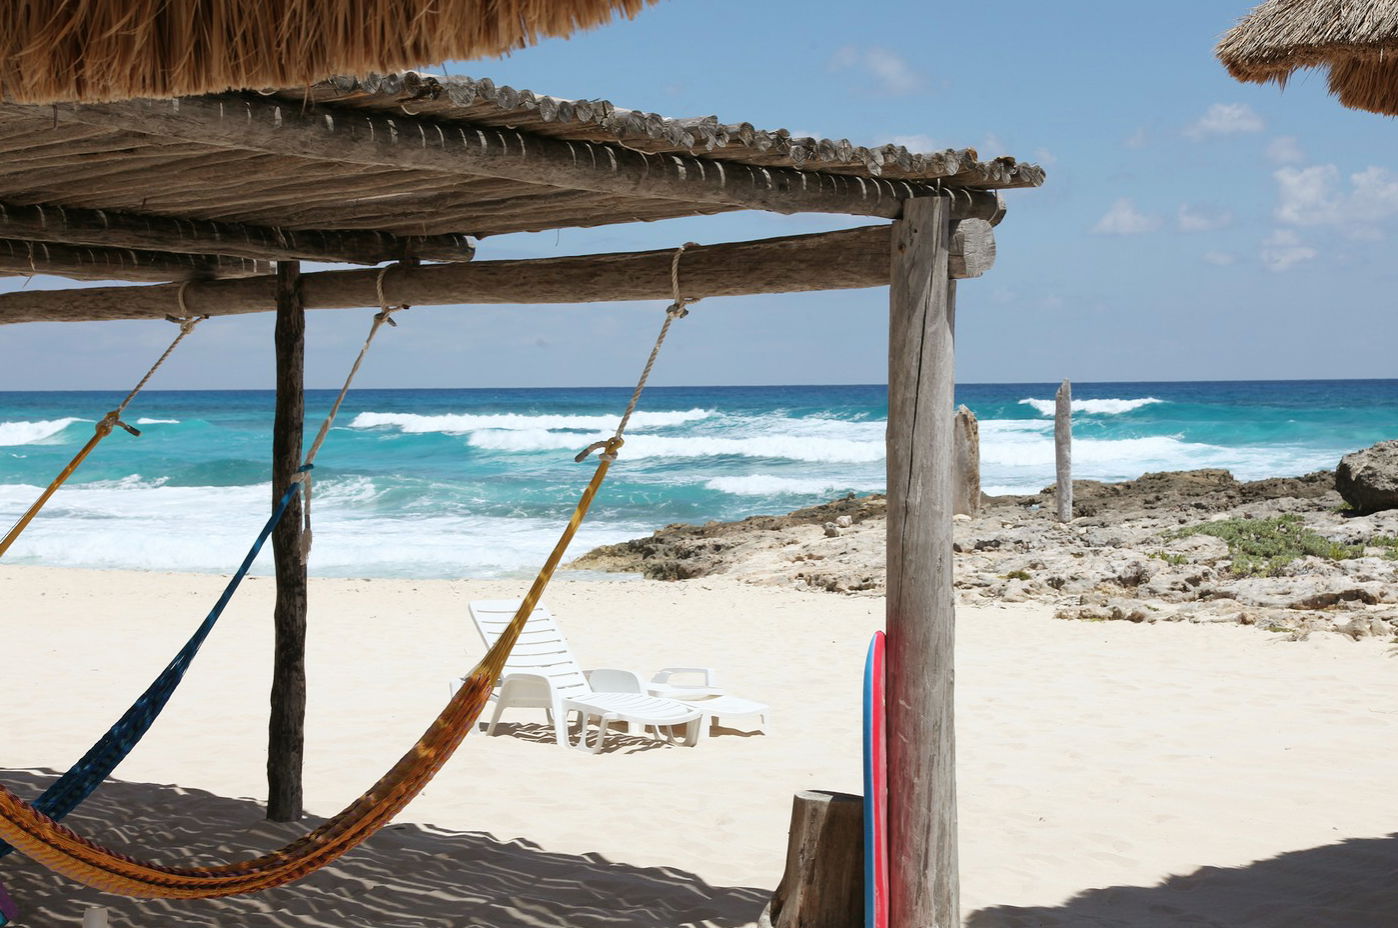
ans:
(541, 648)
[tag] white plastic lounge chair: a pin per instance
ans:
(542, 674)
(705, 694)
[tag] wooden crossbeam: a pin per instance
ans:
(841, 260)
(106, 228)
(81, 262)
(401, 141)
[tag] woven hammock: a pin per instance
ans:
(64, 851)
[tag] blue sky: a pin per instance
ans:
(1191, 227)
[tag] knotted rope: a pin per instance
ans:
(104, 427)
(676, 310)
(303, 475)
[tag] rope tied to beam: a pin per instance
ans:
(303, 476)
(676, 310)
(104, 427)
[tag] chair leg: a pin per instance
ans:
(560, 725)
(694, 731)
(495, 716)
(604, 724)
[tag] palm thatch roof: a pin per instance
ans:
(104, 50)
(386, 167)
(1357, 40)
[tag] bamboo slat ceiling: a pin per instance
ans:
(363, 170)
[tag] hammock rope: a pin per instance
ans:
(68, 791)
(104, 427)
(64, 851)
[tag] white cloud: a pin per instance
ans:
(1044, 156)
(1198, 220)
(1225, 119)
(1124, 219)
(1315, 196)
(1220, 258)
(892, 74)
(993, 146)
(1136, 139)
(918, 143)
(1283, 250)
(1284, 149)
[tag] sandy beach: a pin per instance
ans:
(1110, 773)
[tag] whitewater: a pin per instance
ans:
(445, 483)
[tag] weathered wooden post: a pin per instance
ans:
(923, 881)
(967, 495)
(1063, 450)
(823, 884)
(286, 728)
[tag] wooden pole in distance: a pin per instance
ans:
(1063, 450)
(967, 500)
(923, 880)
(286, 728)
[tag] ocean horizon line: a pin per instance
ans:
(725, 386)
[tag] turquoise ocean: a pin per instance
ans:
(476, 483)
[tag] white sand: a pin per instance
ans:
(1096, 759)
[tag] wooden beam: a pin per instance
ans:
(94, 227)
(842, 260)
(922, 855)
(286, 726)
(972, 249)
(358, 137)
(81, 262)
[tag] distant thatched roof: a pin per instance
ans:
(95, 51)
(1356, 39)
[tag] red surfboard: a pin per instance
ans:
(875, 789)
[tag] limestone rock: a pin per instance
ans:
(1368, 479)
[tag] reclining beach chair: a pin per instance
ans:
(541, 673)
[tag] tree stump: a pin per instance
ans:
(823, 884)
(966, 495)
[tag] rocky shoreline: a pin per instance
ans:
(1284, 555)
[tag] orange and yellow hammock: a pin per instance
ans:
(64, 851)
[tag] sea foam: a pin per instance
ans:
(772, 485)
(1103, 407)
(33, 433)
(460, 424)
(783, 447)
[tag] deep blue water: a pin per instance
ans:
(475, 482)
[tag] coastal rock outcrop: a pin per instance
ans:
(1195, 546)
(1368, 479)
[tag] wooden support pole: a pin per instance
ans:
(1063, 450)
(840, 260)
(114, 229)
(286, 728)
(923, 880)
(823, 883)
(967, 496)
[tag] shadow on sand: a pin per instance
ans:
(1353, 884)
(406, 876)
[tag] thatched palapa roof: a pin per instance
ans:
(405, 165)
(1357, 40)
(104, 50)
